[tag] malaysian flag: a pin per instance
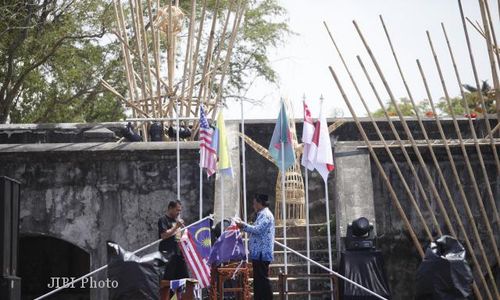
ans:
(208, 153)
(196, 263)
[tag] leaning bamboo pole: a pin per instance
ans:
(434, 158)
(468, 210)
(489, 32)
(145, 58)
(389, 152)
(238, 17)
(478, 149)
(408, 133)
(481, 98)
(187, 58)
(194, 64)
(155, 56)
(380, 168)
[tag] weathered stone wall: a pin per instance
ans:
(90, 196)
(87, 193)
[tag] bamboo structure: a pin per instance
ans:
(441, 206)
(165, 60)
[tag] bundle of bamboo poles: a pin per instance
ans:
(156, 41)
(447, 219)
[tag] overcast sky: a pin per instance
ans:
(302, 63)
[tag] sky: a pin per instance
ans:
(302, 62)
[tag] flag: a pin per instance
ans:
(320, 152)
(224, 164)
(196, 264)
(208, 153)
(307, 136)
(178, 287)
(202, 237)
(281, 134)
(228, 247)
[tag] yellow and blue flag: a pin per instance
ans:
(224, 163)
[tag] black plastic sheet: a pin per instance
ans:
(444, 273)
(138, 278)
(365, 267)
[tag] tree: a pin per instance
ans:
(473, 100)
(405, 107)
(54, 52)
(52, 57)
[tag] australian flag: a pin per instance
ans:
(228, 247)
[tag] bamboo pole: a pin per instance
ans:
(145, 51)
(155, 56)
(409, 134)
(494, 42)
(478, 149)
(187, 59)
(208, 56)
(219, 51)
(389, 152)
(375, 158)
(194, 64)
(476, 79)
(468, 211)
(489, 44)
(138, 51)
(116, 93)
(121, 31)
(436, 163)
(240, 12)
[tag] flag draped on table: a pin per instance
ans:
(208, 150)
(282, 134)
(320, 152)
(193, 244)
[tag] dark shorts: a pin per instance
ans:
(176, 268)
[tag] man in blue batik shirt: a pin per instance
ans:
(261, 246)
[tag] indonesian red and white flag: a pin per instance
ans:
(196, 263)
(307, 137)
(320, 152)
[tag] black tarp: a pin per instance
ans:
(444, 273)
(138, 277)
(365, 267)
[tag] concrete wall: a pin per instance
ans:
(89, 196)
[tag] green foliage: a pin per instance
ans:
(404, 105)
(52, 58)
(53, 54)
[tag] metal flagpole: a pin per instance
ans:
(178, 151)
(283, 195)
(221, 201)
(330, 264)
(105, 266)
(308, 243)
(201, 190)
(244, 171)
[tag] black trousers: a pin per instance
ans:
(261, 284)
(176, 268)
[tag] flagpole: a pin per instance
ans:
(330, 263)
(221, 201)
(283, 196)
(308, 243)
(178, 151)
(244, 172)
(201, 190)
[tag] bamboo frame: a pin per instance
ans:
(478, 149)
(391, 156)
